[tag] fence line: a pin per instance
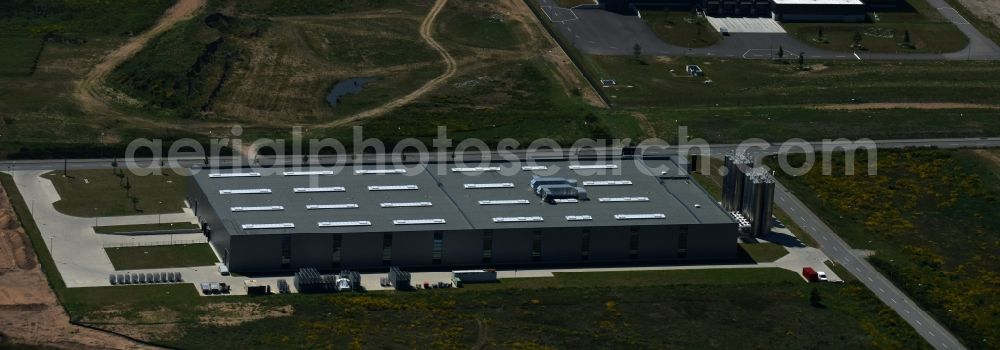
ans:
(155, 243)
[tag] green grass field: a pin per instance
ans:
(929, 32)
(20, 56)
(90, 193)
(928, 215)
(609, 311)
(161, 256)
(764, 252)
(117, 229)
(747, 83)
(678, 28)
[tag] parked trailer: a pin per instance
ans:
(475, 276)
(810, 274)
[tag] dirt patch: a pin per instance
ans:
(889, 105)
(988, 10)
(664, 59)
(644, 123)
(29, 311)
(426, 32)
(234, 314)
(991, 155)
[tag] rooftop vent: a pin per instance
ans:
(593, 166)
(224, 175)
(419, 222)
(267, 226)
(331, 206)
(406, 204)
(534, 167)
(262, 208)
(318, 189)
(579, 218)
(344, 223)
(639, 216)
(246, 191)
(504, 201)
(492, 185)
(476, 169)
(393, 188)
(379, 171)
(565, 200)
(519, 219)
(307, 173)
(608, 183)
(623, 199)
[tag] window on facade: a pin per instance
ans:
(633, 245)
(387, 249)
(682, 242)
(286, 251)
(337, 242)
(487, 246)
(536, 245)
(438, 245)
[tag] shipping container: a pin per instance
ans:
(810, 274)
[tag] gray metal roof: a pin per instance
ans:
(459, 199)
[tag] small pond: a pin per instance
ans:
(346, 87)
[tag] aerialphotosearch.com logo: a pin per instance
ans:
(507, 157)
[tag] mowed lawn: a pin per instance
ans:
(929, 32)
(764, 252)
(679, 28)
(930, 217)
(663, 82)
(642, 310)
(89, 193)
(161, 256)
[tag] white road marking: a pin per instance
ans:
(856, 55)
(870, 279)
(919, 323)
(907, 310)
(893, 300)
(881, 290)
(931, 333)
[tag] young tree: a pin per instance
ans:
(906, 38)
(802, 60)
(819, 34)
(637, 52)
(135, 203)
(815, 299)
(781, 52)
(857, 40)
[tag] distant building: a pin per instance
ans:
(781, 10)
(375, 216)
(819, 10)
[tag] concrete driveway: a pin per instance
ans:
(77, 250)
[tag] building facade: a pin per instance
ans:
(369, 217)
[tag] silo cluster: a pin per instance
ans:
(748, 194)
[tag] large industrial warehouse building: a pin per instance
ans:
(371, 216)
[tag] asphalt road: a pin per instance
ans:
(830, 243)
(596, 31)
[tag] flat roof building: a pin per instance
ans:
(369, 216)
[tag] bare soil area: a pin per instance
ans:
(988, 10)
(29, 311)
(89, 92)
